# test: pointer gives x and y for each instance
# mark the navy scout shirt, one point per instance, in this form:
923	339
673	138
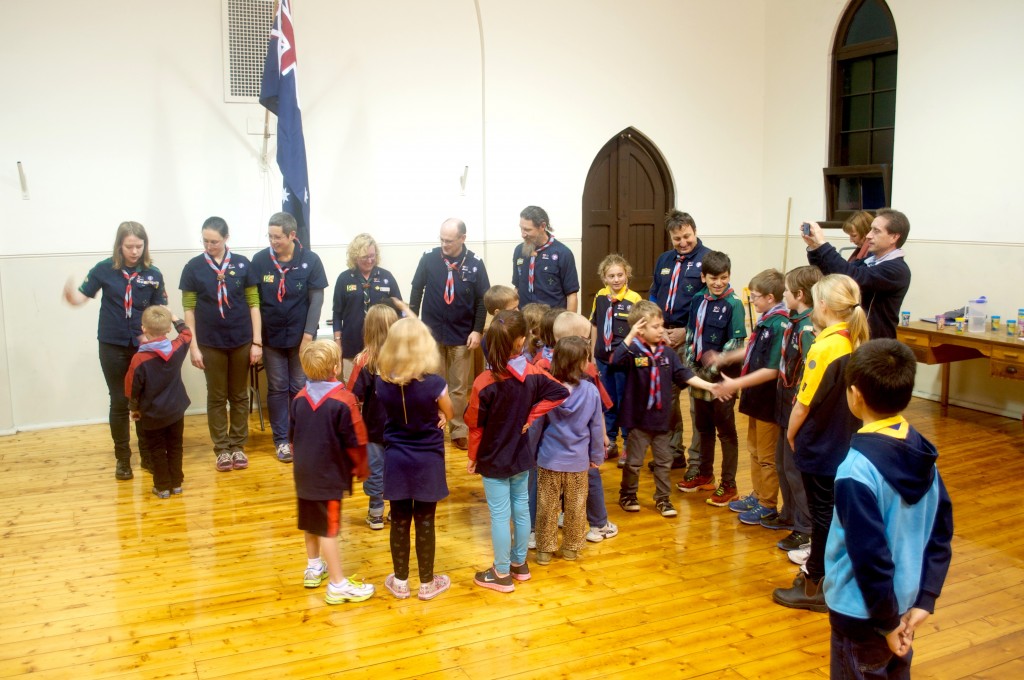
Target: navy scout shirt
689	283
284	321
353	295
450	323
555	275
115	326
234	329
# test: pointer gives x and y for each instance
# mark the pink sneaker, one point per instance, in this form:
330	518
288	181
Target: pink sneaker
428	591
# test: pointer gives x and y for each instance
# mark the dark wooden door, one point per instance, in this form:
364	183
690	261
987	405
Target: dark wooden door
627	193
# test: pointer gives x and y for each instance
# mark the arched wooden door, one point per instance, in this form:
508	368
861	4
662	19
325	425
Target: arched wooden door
627	194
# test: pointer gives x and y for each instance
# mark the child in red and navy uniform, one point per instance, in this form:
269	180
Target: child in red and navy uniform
507	398
652	368
329	443
156	396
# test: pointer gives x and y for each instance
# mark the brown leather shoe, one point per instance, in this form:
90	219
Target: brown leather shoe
803	594
460	443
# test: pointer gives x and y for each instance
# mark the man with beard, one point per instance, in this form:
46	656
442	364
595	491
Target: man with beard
543	269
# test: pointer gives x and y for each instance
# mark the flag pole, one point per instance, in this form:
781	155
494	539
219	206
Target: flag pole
266	112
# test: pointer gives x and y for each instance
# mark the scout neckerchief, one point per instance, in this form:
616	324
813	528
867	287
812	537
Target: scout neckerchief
654	393
698	345
777	310
452	267
222	287
283	270
365	283
533	258
788	371
128	292
607	331
673	285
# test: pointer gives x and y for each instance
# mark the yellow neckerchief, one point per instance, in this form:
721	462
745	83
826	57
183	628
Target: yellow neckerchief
896	426
618	298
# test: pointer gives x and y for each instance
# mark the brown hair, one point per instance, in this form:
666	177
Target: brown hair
859	223
645	309
507	327
547	325
612	260
378	321
677	219
124	230
896	223
569	360
769	282
498	297
533	313
802	280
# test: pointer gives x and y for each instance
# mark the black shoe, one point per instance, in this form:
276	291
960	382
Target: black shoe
777	523
629	503
793	541
804	594
123	470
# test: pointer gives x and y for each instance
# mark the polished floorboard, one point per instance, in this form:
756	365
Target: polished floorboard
99	578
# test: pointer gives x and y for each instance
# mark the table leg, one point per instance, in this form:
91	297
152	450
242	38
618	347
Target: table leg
944	398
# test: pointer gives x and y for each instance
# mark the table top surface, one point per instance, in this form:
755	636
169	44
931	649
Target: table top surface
949	332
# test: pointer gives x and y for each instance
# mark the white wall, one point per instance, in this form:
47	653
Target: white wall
119	115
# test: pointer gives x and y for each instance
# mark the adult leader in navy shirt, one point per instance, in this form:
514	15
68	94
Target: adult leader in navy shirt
677	274
358	288
129	283
448	294
291	282
543	269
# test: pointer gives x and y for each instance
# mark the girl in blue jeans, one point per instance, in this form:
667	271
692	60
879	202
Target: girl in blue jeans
505	400
361	383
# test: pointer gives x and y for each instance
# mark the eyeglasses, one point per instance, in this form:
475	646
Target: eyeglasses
277	239
754	297
366	258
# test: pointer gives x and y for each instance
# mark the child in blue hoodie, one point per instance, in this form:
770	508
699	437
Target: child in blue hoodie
573	442
888	550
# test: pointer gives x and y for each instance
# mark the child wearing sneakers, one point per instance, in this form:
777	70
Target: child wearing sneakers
651	369
889	547
758	376
417	408
507	398
156	396
610	316
361	383
796	342
821	424
573	442
328	439
715	326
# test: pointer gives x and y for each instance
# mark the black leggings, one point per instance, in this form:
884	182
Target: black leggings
403	514
820	502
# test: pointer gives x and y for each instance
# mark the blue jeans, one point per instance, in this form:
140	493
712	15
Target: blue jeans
866	659
614	380
284	380
373	486
597	513
507	500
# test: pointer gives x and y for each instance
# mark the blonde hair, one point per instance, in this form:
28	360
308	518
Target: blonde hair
358	247
499	297
157	321
840	295
124	230
379	319
408	353
613	260
644	309
320	360
568	324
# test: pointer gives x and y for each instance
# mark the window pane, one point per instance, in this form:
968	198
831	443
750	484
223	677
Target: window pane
884	105
885	72
873	192
849	194
855	148
881	146
858	78
857	112
870	23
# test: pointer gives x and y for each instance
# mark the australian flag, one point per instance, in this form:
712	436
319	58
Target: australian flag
279	93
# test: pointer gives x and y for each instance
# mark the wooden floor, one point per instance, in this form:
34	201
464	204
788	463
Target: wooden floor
99	578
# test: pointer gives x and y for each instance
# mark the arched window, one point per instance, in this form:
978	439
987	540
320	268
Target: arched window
863	116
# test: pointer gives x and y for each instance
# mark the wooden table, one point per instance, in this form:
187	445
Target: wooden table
933	346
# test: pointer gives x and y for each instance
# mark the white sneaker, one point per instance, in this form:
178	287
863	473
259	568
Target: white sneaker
284	452
800	555
349	590
598	534
532	544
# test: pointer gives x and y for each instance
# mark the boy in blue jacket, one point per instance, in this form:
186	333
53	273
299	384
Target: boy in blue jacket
888	550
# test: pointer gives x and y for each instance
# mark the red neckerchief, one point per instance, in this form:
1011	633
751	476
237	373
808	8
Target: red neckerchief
654	393
533	258
788	372
777	310
282	271
673	285
449	284
607	331
128	293
222	287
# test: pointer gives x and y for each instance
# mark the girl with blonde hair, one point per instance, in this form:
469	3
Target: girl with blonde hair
821	424
362	384
416	408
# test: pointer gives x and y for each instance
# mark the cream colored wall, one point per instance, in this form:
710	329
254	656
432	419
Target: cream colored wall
117	117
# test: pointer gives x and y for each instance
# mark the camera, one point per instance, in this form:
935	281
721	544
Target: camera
805	228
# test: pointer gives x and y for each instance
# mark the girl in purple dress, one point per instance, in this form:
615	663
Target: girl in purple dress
416	402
